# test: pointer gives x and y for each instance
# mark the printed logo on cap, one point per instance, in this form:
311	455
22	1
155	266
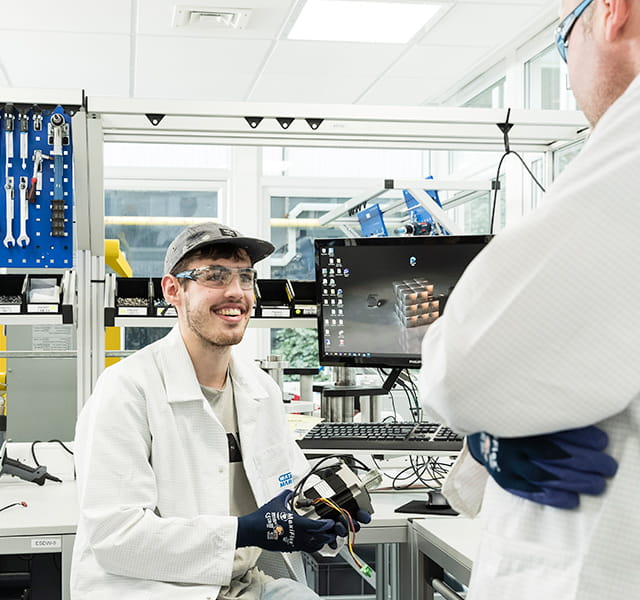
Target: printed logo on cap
228	232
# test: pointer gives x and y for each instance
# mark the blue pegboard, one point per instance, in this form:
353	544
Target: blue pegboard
49	226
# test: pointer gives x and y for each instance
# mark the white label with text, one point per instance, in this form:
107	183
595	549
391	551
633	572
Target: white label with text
46	543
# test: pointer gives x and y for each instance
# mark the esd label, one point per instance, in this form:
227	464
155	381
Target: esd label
46	543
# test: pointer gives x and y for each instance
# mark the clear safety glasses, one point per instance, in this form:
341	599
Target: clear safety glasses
564	29
217	276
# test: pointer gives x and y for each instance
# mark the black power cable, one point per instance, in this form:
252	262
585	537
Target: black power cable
505	127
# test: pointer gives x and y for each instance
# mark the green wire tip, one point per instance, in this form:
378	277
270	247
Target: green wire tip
366	570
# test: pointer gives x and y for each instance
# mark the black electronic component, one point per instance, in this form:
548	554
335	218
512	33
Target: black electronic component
327	490
13	467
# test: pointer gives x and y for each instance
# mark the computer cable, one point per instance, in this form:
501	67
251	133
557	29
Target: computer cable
505	127
33	445
33	453
414	473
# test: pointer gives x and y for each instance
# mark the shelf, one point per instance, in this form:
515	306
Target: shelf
298	406
255	322
31	319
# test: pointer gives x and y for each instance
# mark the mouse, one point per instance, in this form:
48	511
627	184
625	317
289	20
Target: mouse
435	498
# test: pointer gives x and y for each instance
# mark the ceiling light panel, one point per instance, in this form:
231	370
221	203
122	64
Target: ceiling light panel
361	21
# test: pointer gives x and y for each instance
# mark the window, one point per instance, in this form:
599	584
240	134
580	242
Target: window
294	254
546	82
345	162
562	157
152	191
144	241
492	97
535	193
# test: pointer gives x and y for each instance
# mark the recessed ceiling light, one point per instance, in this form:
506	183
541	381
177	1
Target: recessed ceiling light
361	21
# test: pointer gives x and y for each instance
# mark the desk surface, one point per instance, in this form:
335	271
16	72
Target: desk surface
456	537
52	508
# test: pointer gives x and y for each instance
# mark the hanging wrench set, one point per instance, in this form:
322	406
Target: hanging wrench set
36	187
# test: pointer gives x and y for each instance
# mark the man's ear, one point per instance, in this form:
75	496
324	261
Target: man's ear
616	16
170	289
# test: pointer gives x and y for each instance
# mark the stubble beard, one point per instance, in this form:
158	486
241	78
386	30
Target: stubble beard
199	321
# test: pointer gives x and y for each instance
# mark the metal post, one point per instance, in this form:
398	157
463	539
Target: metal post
344	405
306	388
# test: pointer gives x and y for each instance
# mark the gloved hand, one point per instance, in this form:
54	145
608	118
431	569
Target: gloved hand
341	528
274	526
552	469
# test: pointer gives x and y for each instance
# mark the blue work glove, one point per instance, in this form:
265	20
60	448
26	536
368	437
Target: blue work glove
552	469
274	526
341	528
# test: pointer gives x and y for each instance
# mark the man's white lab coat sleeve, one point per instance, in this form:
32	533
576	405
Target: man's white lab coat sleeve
464	485
531	338
118	498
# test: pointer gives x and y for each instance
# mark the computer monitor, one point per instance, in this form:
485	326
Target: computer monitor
377	296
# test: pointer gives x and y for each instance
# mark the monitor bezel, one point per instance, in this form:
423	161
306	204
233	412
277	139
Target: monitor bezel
392	362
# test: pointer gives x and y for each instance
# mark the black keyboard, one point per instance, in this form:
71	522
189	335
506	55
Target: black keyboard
381	436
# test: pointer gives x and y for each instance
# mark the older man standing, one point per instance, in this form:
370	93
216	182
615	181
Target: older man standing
527	347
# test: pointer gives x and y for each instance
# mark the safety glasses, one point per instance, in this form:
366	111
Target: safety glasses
217	276
564	29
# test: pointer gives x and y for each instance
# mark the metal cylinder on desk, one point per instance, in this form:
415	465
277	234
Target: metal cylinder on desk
342	407
338	400
371	408
274	366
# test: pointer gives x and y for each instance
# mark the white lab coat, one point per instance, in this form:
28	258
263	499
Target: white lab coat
542	333
153	476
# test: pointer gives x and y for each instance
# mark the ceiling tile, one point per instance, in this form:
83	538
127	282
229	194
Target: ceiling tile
94	62
309	88
437	62
169	67
403	91
331	57
155	17
87	16
484	24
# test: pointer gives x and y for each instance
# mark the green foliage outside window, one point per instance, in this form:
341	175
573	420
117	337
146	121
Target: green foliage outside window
299	348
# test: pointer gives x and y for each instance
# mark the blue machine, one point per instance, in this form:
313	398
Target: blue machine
372	222
421	222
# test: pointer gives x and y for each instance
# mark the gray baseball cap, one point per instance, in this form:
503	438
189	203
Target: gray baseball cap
210	234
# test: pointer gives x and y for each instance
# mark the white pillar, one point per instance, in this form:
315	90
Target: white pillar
244	210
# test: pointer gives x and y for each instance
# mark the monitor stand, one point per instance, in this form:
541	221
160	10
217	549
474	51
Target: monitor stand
391	379
338	401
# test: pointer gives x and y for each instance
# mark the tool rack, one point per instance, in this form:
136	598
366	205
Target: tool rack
36	186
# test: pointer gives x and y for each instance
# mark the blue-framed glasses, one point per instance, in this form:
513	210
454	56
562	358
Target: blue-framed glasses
564	29
217	276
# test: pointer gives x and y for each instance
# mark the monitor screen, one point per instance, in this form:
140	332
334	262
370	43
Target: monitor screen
377	296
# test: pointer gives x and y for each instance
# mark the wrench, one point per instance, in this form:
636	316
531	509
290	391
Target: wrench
8	241
23	238
24	138
57	121
9	120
